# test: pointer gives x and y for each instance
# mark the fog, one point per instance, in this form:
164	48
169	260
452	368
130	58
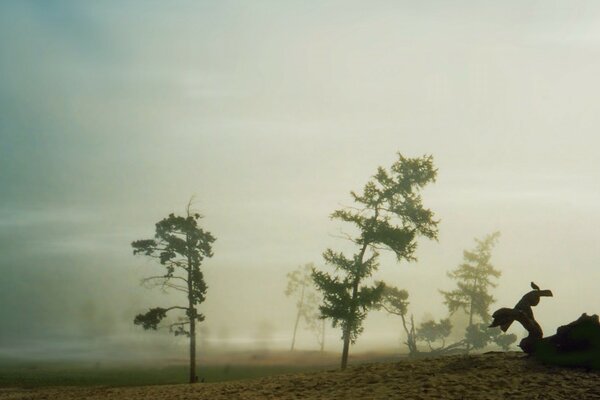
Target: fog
113	114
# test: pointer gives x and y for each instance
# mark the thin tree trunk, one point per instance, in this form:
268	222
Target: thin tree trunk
191	315
295	329
323	336
471	315
347	332
301	304
470	324
410	335
345	349
352	310
193	377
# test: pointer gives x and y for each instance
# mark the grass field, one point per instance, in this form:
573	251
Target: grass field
223	367
65	374
217	367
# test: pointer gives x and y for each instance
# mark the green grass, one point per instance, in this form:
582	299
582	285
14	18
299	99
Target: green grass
29	375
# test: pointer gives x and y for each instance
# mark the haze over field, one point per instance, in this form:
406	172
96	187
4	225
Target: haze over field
112	114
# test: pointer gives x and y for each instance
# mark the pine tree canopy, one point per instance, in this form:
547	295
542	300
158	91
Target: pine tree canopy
389	215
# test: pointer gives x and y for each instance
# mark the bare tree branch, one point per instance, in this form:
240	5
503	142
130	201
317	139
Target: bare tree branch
391	311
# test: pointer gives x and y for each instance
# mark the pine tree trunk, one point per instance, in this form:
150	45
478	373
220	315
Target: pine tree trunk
193	377
352	309
323	337
348	325
191	315
471	316
470	324
345	349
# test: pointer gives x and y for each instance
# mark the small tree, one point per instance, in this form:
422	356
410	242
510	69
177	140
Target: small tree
474	281
395	301
300	284
389	215
180	246
431	332
502	339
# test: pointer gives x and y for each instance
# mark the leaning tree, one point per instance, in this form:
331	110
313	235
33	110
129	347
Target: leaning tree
389	214
180	246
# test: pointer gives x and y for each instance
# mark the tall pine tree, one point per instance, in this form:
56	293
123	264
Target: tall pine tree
180	246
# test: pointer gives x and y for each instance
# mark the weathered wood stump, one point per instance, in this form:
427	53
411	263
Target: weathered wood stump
576	344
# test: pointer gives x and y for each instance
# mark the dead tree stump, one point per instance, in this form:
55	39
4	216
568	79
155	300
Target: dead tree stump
576	344
523	313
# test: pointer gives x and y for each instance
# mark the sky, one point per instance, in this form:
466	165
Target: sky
114	114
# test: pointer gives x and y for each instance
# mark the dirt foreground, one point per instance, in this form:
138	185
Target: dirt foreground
486	376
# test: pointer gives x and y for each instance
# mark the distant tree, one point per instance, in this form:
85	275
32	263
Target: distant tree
395	301
314	320
389	214
301	285
480	335
432	332
474	279
502	339
180	246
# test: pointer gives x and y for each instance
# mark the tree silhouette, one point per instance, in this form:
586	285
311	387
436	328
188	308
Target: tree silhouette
474	281
389	214
180	246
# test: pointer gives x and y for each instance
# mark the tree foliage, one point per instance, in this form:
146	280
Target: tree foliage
180	246
395	301
502	339
432	332
343	305
388	214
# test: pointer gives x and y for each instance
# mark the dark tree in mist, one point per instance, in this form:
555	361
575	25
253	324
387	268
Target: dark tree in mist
474	279
180	246
388	214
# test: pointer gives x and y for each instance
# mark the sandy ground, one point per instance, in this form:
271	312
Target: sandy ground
487	376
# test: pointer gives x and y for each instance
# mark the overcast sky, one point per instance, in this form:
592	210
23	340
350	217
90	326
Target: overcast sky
113	114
